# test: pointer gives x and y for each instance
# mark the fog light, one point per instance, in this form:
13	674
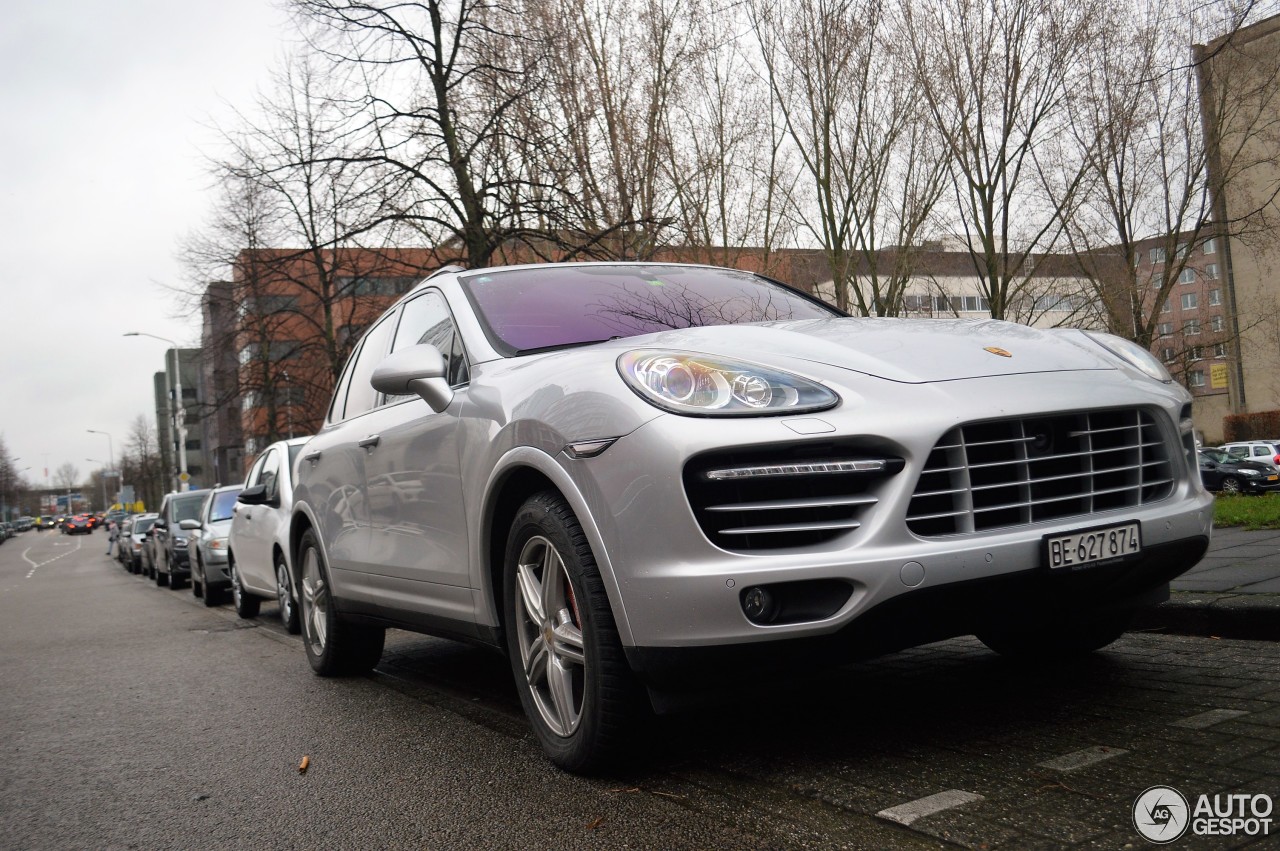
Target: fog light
758	605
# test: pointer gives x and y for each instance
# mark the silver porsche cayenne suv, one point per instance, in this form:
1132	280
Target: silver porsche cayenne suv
639	480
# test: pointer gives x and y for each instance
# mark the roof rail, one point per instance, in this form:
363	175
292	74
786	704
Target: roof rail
443	269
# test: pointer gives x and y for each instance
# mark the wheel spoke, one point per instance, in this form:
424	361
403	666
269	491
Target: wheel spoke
568	641
531	593
560	684
535	666
552	576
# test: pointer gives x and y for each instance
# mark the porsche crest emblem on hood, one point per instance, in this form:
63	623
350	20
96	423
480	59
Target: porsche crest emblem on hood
996	350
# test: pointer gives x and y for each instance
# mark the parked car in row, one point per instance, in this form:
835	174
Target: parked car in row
258	553
133	535
1221	471
1262	451
648	478
207	543
170	557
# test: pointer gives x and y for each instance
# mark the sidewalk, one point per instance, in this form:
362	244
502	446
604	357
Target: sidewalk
1233	593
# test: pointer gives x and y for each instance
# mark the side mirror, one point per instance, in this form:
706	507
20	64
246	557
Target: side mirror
256	495
418	369
159	524
189	525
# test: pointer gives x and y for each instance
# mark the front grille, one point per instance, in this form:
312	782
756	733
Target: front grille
992	475
785	496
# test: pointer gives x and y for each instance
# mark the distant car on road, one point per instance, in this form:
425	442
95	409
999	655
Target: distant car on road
1221	471
207	547
78	525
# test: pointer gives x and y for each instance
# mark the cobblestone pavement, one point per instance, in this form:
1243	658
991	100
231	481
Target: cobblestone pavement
1026	757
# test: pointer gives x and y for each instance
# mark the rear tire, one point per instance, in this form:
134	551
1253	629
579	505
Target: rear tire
285	599
1059	637
247	605
335	647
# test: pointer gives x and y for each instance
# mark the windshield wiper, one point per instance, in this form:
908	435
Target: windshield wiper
557	346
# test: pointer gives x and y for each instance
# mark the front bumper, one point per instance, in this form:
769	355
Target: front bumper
673	589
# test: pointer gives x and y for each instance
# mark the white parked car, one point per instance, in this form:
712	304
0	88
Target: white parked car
649	478
258	552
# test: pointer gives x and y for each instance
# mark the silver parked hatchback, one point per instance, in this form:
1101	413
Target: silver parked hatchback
639	479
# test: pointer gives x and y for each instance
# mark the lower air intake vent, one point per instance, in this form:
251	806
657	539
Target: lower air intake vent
778	497
992	475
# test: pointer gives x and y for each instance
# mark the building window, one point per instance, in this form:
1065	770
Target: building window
1191	327
1168	305
1210	246
1190	301
1195	353
1157	255
1195	378
1188	276
193	443
1219	350
1215	297
1166	354
1216	324
1165	329
1182	250
1211	271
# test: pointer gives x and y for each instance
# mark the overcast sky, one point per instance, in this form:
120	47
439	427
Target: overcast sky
106	110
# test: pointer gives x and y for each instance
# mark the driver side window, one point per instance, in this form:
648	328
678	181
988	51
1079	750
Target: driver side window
271	474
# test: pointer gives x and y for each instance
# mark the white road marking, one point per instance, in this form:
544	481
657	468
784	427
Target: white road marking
909	812
1208	719
37	565
1082	759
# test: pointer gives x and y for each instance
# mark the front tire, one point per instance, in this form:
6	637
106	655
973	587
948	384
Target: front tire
574	681
1059	637
335	647
1230	485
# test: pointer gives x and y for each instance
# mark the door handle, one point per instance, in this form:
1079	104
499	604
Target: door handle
371	442
313	457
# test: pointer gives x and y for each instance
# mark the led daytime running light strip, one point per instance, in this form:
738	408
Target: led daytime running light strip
865	466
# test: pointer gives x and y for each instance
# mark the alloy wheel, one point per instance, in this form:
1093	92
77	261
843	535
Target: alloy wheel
549	634
315	602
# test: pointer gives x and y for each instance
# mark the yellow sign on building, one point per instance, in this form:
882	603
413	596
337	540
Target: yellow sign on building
1218	376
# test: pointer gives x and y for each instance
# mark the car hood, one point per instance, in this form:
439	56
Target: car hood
912	351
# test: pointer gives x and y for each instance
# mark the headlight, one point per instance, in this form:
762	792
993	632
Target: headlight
1132	354
1250	473
180	543
688	383
218	544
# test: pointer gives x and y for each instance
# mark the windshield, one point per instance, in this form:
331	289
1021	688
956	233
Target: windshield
223	504
528	310
187	508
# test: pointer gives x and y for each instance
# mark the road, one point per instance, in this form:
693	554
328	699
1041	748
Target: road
132	716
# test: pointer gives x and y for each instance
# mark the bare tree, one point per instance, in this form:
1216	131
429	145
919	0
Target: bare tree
994	77
872	168
67	476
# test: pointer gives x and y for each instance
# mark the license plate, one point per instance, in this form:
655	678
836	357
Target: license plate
1093	547
1272	478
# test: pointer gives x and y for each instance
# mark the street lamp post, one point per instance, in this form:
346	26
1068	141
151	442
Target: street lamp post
111	460
177	411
